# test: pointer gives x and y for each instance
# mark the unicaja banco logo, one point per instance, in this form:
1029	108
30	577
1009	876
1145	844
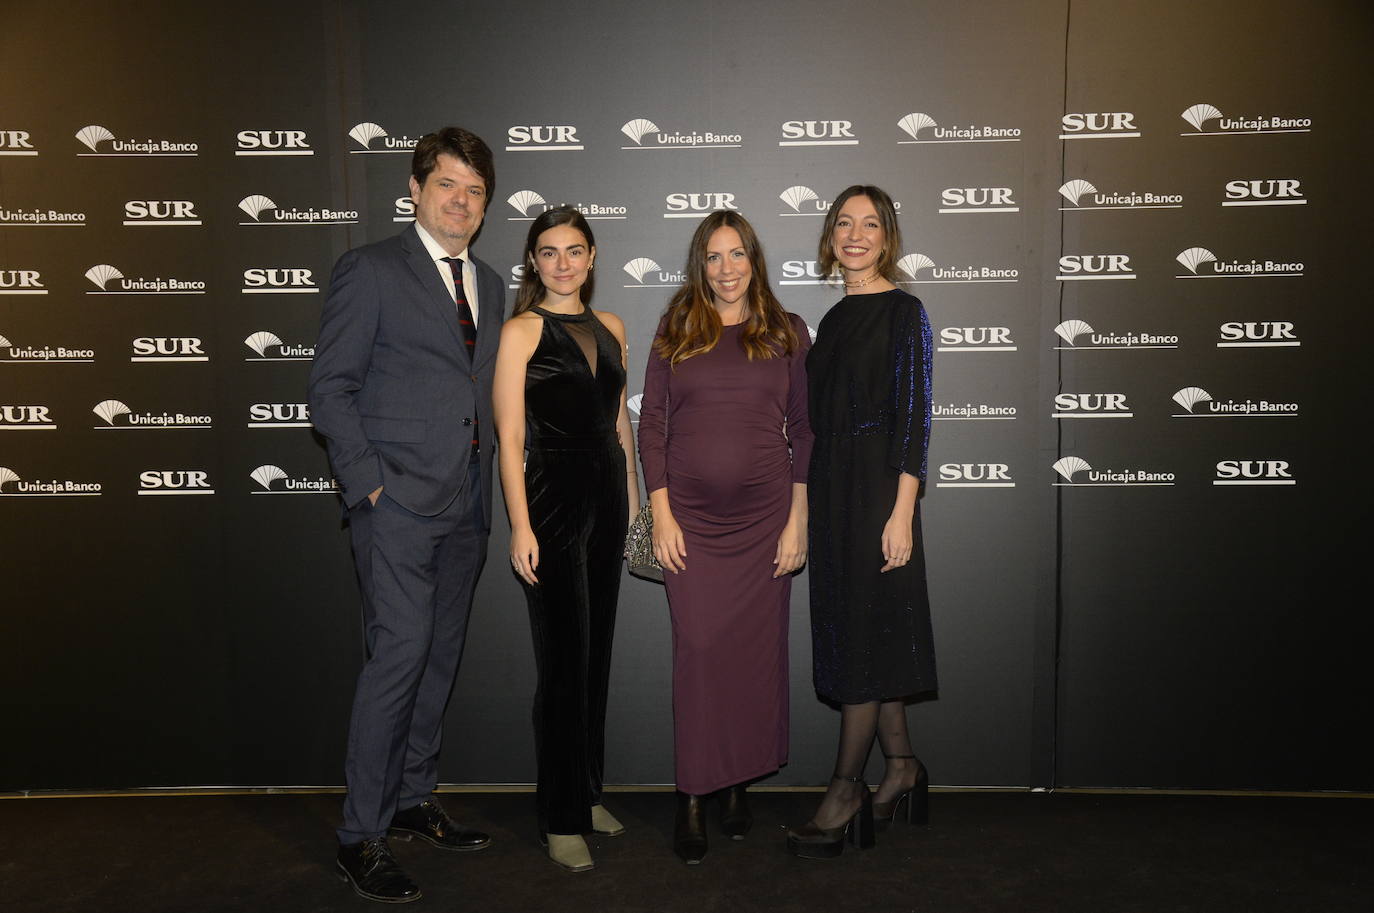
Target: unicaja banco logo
367	133
264	211
1074	191
255	205
645	134
94	135
803	201
637	129
1070	466
116	415
646	273
41	354
1196	261
273	480
1193	398
911	265
1071	330
922	128
1189	397
1067	466
1200	116
103	274
12	485
263	340
522	200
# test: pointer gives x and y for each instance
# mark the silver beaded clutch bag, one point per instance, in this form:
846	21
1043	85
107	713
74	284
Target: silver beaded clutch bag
639	546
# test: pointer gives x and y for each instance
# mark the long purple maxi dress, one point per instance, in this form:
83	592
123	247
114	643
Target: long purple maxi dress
728	437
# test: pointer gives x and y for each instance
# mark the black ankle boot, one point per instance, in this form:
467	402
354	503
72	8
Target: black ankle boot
689	833
735	819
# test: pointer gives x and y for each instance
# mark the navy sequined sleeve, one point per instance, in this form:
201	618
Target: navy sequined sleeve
910	442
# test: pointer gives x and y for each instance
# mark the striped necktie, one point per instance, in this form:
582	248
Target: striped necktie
465	321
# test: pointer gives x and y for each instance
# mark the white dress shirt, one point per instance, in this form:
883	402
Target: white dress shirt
446	272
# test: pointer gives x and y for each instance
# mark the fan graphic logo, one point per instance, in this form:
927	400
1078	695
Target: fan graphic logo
1252	472
1091	405
972	412
533	138
645	134
372	139
974	475
154	349
921	270
11	354
1201	117
41	218
647	273
21	282
13	485
1272	192
1076	192
264	280
161	212
522	201
262	211
273	480
1079	336
95	138
818	133
922	128
279	415
272	142
16	142
803	201
1070	467
270	347
977	199
26	418
174	482
1081	267
1201	263
1261	334
1198	403
633	404
1099	125
108	280
119	417
696	205
976	339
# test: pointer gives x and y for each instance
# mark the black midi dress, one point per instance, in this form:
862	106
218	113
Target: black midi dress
868	378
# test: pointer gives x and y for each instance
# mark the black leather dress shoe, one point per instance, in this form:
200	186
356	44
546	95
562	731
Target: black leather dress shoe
735	819
373	873
689	832
429	822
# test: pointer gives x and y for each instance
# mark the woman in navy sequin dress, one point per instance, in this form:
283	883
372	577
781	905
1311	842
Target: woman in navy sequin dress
869	379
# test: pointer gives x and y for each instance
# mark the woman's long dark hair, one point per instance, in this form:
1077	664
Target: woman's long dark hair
531	290
692	325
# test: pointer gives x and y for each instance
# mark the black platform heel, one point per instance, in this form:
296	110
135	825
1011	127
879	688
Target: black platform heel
812	842
917	799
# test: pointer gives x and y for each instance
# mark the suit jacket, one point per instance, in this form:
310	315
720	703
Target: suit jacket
392	388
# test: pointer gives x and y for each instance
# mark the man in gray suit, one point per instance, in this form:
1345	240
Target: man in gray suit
401	390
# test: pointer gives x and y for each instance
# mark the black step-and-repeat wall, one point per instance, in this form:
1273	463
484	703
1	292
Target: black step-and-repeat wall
1136	228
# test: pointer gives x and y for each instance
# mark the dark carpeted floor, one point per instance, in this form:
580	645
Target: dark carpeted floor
983	852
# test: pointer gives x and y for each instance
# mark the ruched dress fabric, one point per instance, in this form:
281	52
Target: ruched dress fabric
576	490
728	436
869	374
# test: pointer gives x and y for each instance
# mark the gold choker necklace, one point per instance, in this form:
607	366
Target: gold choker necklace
860	283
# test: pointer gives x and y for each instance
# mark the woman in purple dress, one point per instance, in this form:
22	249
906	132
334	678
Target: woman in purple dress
725	443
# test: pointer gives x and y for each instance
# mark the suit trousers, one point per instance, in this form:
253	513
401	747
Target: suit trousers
417	575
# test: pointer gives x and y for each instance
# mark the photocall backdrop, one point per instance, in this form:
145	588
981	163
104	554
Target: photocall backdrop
1133	226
